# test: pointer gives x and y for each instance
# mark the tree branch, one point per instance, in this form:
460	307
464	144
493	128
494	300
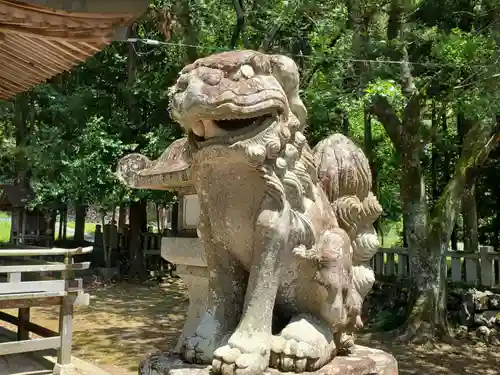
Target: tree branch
324	62
239	28
385	114
480	144
183	11
266	43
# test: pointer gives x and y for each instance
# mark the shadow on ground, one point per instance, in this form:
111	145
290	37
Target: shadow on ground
124	322
462	358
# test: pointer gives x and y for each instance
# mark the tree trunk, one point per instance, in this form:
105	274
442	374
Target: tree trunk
183	11
368	148
21	122
61	223
446	173
345	124
239	28
138	225
65	223
80	213
469	207
435	156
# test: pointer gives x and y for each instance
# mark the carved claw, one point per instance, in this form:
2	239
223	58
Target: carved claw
344	343
129	166
302	252
302	346
233	359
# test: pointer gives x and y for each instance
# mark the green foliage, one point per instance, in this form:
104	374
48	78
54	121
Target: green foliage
83	122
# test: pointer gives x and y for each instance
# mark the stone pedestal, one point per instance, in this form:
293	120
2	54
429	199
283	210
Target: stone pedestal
189	257
364	361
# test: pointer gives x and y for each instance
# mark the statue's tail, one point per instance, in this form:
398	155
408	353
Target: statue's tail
345	176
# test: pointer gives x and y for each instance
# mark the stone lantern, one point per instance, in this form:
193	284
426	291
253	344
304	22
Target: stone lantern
182	247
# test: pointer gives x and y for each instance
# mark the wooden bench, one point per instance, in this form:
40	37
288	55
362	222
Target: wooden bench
20	291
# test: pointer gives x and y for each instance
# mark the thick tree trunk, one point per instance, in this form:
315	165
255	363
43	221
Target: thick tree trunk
61	223
435	156
424	312
65	223
80	214
138	225
469	207
368	148
447	174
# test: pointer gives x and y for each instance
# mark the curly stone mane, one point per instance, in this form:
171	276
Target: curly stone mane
281	151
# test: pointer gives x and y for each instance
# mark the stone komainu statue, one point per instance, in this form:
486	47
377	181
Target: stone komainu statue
287	230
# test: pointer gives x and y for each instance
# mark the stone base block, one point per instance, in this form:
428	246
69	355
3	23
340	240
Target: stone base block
64	369
364	361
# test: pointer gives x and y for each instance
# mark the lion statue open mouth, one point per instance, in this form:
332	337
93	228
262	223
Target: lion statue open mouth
287	230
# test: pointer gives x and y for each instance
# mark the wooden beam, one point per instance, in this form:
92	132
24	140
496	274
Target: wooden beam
30	326
45	267
37	62
94	6
11	59
27	346
39	47
33	287
64	51
31	251
77	47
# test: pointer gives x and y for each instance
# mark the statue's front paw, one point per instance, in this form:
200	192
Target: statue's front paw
305	344
245	354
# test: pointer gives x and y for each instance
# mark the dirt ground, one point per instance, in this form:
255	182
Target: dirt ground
124	322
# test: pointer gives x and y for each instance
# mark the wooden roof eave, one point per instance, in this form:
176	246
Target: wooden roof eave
38	42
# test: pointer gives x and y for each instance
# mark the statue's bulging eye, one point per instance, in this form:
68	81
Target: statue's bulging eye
182	83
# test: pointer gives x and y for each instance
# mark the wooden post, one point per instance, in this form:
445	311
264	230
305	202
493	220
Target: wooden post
403	260
23	313
379	263
471	276
487	266
391	264
456	269
65	331
23	332
63	365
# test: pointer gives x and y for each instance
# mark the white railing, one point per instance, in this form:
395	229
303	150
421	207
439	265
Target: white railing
480	268
20	289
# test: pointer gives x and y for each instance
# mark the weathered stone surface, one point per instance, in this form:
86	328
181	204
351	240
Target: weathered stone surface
484	333
488	318
287	230
364	361
482	301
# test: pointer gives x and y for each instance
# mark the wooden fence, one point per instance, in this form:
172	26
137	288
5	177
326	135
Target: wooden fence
470	268
23	288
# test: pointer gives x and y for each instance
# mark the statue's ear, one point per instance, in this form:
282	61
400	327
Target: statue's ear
287	73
